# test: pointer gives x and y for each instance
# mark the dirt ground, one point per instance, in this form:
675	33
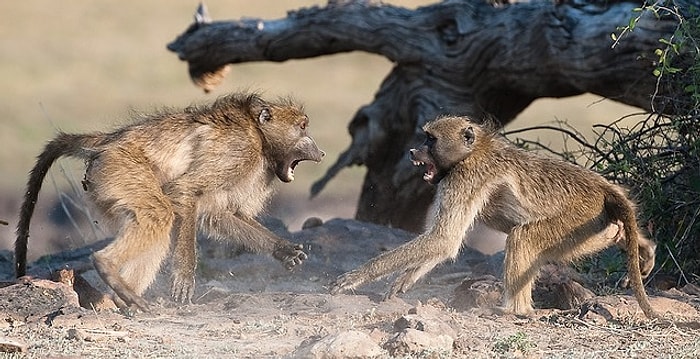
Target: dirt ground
248	306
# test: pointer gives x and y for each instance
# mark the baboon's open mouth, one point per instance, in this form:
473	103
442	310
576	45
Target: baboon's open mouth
289	173
290	169
291	166
285	169
430	170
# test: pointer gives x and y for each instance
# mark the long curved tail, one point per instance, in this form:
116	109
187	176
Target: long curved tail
619	207
63	145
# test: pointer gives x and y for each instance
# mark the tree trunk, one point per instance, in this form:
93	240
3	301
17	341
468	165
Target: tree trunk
458	57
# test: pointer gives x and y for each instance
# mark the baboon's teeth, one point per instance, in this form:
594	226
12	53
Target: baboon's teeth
418	163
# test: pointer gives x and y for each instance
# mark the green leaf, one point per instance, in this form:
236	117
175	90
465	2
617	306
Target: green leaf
657	72
613	36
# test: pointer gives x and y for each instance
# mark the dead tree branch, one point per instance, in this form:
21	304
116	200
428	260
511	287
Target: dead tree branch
459	57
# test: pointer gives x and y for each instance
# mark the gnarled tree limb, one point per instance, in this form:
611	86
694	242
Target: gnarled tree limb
459	57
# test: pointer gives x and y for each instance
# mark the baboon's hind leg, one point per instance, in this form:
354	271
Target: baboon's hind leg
524	256
126	188
521	268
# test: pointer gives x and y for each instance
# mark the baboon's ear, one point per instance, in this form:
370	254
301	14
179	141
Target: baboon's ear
468	134
265	115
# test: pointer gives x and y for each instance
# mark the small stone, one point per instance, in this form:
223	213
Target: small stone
413	341
348	344
312	222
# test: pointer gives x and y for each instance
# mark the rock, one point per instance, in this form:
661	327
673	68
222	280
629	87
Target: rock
413	341
428	325
8	345
347	344
88	296
623	308
557	287
37	299
691	289
312	222
481	292
422	332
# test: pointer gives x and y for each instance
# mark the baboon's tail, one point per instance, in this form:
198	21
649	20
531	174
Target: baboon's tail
63	145
620	208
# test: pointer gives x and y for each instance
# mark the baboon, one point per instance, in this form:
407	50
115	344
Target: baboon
551	210
161	178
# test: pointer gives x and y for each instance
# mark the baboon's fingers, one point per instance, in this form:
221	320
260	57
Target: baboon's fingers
142	305
183	288
344	283
335	288
404	282
294	261
290	255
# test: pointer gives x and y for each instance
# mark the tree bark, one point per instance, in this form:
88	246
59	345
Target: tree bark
459	57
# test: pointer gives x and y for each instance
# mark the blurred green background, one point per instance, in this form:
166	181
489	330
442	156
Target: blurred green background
80	66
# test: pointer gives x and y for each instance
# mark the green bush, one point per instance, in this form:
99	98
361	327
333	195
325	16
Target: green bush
658	159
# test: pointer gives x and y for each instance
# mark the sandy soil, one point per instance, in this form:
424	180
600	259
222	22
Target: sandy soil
248	306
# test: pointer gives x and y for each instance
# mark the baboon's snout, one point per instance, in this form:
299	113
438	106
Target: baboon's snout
313	152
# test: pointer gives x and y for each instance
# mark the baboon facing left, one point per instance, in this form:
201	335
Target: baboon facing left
552	211
161	178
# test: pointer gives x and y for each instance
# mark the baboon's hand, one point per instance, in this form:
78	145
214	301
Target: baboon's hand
346	282
290	254
183	287
402	283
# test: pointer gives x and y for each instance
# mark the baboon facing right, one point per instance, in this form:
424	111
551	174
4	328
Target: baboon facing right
161	178
551	210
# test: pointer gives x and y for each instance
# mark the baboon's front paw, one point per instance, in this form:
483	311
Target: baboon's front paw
343	283
183	288
401	285
290	255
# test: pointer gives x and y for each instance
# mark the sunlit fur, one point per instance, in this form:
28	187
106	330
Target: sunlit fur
166	175
551	210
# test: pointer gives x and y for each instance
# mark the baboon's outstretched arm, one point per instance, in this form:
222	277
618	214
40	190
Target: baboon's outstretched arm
417	257
252	236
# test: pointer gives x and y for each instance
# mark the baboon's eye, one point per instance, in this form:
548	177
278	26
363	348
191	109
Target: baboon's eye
429	139
265	115
303	125
468	134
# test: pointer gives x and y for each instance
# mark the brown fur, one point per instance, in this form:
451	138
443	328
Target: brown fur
552	211
171	173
